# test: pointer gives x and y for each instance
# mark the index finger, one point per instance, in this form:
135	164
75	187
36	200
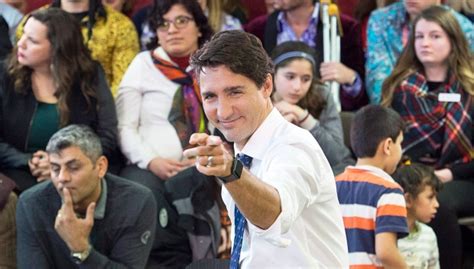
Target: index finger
198	139
67	201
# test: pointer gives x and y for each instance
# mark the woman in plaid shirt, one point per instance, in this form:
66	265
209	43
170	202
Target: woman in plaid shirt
432	88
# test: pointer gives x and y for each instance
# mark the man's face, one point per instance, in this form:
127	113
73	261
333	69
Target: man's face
72	169
414	7
289	5
233	103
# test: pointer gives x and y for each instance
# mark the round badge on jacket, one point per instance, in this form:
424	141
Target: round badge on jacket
163	217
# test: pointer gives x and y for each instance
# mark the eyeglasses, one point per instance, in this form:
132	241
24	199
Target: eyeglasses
179	22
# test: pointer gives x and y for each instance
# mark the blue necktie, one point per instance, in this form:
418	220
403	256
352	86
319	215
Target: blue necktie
240	222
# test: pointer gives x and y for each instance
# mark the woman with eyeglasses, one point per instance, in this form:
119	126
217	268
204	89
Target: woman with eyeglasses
159	107
158	102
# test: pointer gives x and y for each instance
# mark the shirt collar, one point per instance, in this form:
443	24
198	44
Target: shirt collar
99	212
375	170
282	19
258	143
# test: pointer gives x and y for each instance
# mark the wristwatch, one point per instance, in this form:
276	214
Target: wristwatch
80	257
235	173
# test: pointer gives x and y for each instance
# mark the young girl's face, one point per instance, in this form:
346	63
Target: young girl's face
293	80
432	44
425	205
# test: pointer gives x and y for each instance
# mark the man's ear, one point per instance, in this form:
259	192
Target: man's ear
102	165
267	87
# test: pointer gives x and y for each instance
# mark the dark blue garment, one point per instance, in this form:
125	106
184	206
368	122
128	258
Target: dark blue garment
121	239
240	222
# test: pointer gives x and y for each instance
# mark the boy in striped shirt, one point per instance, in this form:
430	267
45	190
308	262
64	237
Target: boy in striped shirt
372	203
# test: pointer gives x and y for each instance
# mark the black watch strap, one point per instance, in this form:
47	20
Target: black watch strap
235	173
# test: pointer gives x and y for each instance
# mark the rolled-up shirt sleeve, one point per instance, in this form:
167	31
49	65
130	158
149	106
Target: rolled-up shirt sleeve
296	180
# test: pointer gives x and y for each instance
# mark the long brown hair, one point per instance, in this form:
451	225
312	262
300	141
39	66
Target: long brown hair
70	60
313	101
460	60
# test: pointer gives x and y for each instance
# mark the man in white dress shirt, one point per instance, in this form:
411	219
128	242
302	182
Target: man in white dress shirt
279	189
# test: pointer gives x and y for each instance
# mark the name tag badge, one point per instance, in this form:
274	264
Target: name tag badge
449	97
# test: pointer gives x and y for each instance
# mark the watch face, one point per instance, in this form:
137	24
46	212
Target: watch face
79	257
235	173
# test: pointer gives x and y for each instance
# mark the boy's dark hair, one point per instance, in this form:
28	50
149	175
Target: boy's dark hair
414	177
371	125
239	51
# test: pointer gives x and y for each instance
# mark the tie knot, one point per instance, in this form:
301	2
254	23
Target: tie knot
245	159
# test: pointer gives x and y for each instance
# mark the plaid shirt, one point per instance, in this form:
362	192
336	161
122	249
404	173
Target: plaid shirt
436	130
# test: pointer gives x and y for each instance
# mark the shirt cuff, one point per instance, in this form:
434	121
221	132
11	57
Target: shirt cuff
273	234
145	160
354	89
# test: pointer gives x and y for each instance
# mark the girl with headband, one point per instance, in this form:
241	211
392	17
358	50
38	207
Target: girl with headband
302	99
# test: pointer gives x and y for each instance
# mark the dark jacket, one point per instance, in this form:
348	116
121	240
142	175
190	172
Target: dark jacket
122	238
17	111
352	54
5	44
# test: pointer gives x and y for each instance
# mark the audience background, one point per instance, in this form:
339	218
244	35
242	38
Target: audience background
437	61
153	137
304	100
45	87
103	40
387	33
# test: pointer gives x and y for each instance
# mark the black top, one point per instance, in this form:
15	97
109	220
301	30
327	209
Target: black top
5	44
17	110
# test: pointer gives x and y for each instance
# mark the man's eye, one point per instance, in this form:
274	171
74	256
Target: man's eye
74	168
233	93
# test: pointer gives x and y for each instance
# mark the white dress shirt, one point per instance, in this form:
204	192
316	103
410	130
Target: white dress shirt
309	232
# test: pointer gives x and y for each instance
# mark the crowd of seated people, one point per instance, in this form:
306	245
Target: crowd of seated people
79	62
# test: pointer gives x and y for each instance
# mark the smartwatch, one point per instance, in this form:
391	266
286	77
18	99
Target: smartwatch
235	173
80	257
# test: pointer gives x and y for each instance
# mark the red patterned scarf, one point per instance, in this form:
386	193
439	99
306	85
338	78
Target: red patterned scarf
186	113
